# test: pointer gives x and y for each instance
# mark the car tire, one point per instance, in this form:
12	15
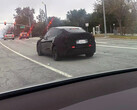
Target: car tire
13	39
4	39
55	54
39	49
89	54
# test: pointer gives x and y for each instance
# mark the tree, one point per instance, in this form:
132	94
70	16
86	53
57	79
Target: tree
9	29
95	19
77	17
117	8
131	18
41	17
23	16
56	22
39	29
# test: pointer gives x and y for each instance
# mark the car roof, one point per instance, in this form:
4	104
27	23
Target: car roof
71	29
67	27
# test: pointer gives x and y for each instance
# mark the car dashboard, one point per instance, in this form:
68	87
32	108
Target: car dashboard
112	90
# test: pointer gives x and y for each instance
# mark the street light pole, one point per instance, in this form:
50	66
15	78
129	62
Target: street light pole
104	14
46	21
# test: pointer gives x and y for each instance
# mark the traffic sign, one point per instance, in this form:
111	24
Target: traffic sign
22	27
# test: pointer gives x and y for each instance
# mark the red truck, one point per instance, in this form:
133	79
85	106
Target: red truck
24	35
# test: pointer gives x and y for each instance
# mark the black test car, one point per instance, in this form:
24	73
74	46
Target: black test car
66	41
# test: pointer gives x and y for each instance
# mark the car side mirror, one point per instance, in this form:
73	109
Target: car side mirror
46	38
41	37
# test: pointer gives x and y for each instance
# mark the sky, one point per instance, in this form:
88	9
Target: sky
58	8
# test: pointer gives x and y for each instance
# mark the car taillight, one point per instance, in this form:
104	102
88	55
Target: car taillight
5	35
12	35
89	45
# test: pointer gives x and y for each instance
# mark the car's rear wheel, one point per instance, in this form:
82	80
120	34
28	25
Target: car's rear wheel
55	54
13	39
90	54
39	49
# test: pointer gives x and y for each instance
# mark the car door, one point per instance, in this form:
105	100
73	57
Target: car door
46	42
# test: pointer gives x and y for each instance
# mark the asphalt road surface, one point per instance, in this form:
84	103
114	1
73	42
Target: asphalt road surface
20	66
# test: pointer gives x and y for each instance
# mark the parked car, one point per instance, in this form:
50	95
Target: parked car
24	35
65	41
9	35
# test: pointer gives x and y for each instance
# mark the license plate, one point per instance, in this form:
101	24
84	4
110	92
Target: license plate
84	41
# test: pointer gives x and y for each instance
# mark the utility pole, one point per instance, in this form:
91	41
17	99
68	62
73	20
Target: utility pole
104	14
30	26
29	18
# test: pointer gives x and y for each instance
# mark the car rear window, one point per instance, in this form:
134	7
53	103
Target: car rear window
75	30
9	33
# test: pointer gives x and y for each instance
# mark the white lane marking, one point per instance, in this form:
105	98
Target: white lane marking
26	39
27	43
23	41
34	43
101	42
46	66
35	38
132	48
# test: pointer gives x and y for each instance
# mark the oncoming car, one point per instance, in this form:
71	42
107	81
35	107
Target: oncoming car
66	41
9	35
24	35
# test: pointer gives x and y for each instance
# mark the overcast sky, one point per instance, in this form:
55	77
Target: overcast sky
57	8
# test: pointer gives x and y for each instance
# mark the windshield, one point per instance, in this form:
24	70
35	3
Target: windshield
103	39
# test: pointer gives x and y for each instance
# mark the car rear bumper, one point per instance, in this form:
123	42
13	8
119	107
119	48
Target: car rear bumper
23	37
78	51
8	38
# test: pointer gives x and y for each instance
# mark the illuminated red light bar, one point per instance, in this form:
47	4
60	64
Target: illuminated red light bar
73	47
50	23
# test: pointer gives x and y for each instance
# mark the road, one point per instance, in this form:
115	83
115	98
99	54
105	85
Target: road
20	66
